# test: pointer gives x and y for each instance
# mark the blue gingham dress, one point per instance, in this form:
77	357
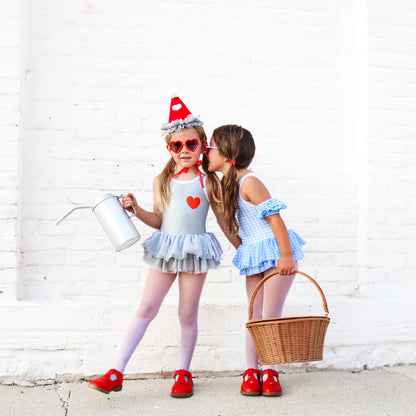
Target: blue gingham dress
259	250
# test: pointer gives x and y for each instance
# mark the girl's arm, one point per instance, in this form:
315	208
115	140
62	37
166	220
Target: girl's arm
253	190
151	218
234	239
286	264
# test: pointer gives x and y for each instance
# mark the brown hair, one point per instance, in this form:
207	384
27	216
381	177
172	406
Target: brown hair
166	175
237	145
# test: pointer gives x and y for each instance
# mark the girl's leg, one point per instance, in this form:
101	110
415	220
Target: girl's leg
156	287
190	288
252	358
251	377
276	290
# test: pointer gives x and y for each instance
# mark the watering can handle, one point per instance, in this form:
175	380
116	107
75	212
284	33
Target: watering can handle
71	211
132	215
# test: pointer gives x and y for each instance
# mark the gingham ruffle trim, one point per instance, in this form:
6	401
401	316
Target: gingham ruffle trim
253	258
270	207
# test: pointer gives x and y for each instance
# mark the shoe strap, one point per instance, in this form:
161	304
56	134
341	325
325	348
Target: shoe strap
250	372
182	374
108	374
270	372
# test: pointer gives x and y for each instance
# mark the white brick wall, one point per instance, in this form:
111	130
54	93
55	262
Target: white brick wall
392	122
10	71
327	90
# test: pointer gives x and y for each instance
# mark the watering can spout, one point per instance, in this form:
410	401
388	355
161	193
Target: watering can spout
114	219
71	211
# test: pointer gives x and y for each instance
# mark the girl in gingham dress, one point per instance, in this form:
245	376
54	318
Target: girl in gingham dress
266	243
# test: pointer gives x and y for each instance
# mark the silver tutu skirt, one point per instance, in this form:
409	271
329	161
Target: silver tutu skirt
172	253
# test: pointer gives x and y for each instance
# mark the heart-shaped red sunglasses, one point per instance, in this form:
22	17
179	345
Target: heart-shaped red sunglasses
177	146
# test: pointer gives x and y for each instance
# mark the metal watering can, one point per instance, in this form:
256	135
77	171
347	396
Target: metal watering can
114	219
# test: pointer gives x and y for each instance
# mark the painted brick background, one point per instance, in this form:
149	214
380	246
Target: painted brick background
10	96
328	91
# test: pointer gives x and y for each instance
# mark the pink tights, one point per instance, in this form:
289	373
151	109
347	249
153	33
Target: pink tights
156	288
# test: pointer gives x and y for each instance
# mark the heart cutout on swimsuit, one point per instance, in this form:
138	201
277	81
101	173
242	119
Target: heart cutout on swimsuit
193	202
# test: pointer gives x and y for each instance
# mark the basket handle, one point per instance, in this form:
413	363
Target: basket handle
262	281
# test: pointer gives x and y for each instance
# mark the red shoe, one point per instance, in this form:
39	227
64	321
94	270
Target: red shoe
111	381
183	386
251	383
270	383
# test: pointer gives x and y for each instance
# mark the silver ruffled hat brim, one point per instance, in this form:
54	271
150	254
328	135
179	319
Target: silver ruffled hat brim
181	124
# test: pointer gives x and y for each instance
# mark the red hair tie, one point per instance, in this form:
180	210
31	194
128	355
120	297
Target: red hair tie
232	163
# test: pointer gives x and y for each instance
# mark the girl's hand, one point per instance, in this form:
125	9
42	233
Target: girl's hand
286	266
129	201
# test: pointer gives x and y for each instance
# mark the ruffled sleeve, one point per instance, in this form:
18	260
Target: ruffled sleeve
270	207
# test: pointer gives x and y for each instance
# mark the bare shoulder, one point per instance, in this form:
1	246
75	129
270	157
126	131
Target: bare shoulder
253	190
252	180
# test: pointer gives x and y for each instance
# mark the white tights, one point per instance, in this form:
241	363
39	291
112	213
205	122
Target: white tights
268	303
156	288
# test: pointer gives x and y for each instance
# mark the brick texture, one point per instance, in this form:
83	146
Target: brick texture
327	89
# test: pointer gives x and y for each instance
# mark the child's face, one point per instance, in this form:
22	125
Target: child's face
216	162
185	148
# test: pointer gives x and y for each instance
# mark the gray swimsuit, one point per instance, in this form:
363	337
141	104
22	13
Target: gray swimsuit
182	243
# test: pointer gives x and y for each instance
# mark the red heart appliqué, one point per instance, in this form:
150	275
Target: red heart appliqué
193	202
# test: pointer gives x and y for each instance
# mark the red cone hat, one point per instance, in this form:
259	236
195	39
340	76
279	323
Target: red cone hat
179	117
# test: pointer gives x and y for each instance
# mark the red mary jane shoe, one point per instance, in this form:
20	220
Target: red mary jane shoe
270	383
111	381
183	386
251	383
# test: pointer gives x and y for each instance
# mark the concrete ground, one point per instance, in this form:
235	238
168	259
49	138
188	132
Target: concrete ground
389	391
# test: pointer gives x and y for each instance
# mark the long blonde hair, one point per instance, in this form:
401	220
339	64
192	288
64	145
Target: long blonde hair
164	190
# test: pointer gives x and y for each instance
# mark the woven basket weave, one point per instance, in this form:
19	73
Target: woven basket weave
288	340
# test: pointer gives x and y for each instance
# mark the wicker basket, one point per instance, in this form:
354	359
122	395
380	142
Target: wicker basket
288	340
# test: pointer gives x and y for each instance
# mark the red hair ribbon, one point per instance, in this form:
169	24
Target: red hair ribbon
232	163
185	170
